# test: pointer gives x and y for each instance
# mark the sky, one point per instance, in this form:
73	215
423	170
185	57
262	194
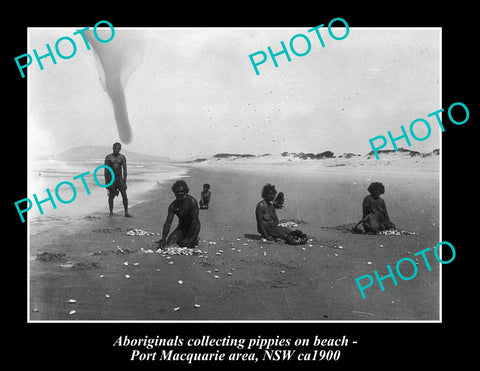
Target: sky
193	92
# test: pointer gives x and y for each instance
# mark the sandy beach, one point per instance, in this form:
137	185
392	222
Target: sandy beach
107	275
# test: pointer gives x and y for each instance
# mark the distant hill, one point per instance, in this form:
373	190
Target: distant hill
98	153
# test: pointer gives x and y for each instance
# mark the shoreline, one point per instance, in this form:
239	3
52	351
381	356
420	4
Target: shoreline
257	281
143	185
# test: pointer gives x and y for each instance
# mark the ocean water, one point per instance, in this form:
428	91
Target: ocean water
143	178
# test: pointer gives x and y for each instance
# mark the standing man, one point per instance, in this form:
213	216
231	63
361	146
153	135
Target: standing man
118	163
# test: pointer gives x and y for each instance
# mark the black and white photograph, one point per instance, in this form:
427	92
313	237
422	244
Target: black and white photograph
197	230
253	193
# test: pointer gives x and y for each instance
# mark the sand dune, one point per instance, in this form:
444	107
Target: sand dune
404	159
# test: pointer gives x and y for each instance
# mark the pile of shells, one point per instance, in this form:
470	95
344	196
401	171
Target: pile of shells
176	250
396	232
293	220
288	224
138	232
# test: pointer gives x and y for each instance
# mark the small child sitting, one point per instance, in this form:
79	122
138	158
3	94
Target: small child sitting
205	196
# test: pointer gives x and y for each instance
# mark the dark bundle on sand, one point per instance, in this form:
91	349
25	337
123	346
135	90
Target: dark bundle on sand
296	238
51	257
85	265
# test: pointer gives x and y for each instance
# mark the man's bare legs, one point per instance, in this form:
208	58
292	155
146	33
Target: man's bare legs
125	204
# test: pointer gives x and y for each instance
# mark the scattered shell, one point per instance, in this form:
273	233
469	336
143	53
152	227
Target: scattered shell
229	273
66	265
72	301
175	309
245	244
369	263
125	263
209	271
101	276
107	296
282	272
180	282
72	312
239	250
216	269
196	305
136	263
127	276
158	270
238	239
336	254
381	246
216	277
220	250
171	262
36	310
310	245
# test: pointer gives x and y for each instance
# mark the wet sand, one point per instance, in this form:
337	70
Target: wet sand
256	280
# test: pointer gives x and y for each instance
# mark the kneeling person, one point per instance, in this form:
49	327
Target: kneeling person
185	207
375	217
267	220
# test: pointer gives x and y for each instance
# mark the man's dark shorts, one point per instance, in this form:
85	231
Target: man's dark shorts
117	186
